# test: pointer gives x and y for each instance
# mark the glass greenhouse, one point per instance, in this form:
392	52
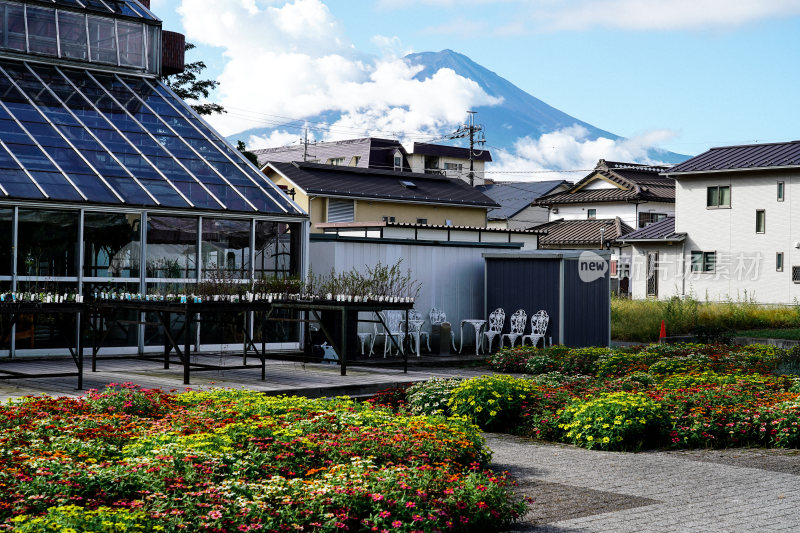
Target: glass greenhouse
109	181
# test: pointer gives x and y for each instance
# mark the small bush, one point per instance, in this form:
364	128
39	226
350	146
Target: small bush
680	365
615	421
431	397
540	364
493	402
126	398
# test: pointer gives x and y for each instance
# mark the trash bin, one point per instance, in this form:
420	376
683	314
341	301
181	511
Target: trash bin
444	339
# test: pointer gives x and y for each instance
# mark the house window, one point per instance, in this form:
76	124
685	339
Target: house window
591	213
761	220
704	261
649	218
341	210
796	274
398	161
354	160
336	161
457	167
718	196
388	219
422	221
780	191
779	262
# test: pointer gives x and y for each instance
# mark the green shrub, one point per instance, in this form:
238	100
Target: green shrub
492	402
615	421
680	365
431	397
540	364
622	363
582	360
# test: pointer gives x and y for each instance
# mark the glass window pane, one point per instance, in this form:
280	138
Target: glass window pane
19	185
276	249
710	262
6	233
697	261
102	40
111	245
712	196
131	43
42	30
760	221
725	196
12	31
72	35
55	185
171	247
48	243
226	249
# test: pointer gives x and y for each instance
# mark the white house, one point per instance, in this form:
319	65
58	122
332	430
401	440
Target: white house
741	236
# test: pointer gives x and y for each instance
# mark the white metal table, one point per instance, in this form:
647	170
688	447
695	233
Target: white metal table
478	324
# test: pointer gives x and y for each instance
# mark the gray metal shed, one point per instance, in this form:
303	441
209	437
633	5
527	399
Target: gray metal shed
573	286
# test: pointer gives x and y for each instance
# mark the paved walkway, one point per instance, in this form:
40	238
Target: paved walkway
578	490
310	379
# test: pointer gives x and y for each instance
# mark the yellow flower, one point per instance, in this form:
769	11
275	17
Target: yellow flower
590	438
605	440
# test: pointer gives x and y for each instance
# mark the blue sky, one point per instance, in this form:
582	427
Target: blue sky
702	73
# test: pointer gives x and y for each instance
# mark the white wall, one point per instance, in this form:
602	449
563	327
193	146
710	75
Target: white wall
746	260
670	270
627	212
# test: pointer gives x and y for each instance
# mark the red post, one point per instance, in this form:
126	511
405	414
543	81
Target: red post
663	333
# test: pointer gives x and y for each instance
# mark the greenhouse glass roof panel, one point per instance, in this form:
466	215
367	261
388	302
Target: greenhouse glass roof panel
128	8
77	135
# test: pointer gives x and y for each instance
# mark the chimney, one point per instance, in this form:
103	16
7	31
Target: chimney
173	51
145	3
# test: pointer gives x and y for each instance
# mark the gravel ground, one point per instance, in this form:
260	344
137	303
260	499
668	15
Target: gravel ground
578	490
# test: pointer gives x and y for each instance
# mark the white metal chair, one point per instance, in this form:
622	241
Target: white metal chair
539	323
415	329
392	330
365	338
436	317
518	321
497	319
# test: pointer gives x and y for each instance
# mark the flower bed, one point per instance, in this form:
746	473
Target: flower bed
683	396
134	460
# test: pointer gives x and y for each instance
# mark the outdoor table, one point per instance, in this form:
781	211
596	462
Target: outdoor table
415	327
478	324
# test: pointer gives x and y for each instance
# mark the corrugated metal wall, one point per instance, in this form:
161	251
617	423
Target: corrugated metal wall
452	277
526	284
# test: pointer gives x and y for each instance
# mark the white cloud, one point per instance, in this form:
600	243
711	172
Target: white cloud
292	59
273	140
570	149
669	15
641	15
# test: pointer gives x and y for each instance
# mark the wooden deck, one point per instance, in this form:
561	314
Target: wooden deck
288	376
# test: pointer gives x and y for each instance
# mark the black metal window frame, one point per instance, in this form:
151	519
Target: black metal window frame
703	262
761	221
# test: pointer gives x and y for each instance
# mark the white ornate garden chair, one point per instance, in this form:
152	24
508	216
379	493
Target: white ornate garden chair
539	323
518	322
497	319
392	330
436	317
413	330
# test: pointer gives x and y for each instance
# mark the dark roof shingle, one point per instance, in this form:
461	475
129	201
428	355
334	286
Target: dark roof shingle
745	157
663	230
455	152
581	232
352	182
637	182
513	197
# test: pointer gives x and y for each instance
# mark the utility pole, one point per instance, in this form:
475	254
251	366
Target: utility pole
476	136
305	146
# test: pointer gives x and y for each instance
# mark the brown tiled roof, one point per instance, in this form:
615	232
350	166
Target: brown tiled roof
745	157
663	230
584	231
638	182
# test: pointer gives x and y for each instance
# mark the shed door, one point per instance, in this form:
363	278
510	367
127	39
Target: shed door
652	274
